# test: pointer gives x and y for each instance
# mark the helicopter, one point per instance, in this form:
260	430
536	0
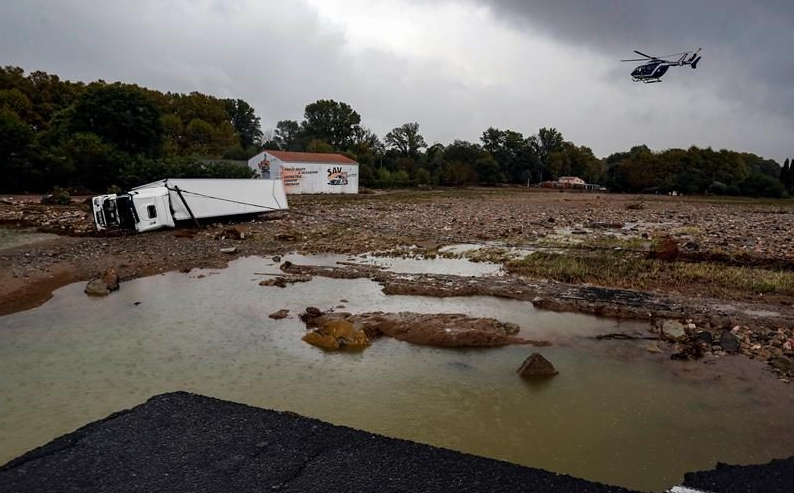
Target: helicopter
655	67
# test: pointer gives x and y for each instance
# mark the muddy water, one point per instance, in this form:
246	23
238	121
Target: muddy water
614	414
10	238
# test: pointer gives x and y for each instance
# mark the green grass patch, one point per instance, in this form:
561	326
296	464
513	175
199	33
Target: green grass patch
635	272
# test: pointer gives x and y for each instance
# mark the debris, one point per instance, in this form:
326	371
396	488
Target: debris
231	233
229	251
782	364
285	237
537	366
279	315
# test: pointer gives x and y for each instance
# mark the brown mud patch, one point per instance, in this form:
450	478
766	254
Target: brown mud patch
438	330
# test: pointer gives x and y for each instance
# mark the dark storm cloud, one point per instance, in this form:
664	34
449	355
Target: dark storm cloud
747	45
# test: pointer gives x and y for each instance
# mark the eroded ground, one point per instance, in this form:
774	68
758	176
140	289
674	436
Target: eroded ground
716	266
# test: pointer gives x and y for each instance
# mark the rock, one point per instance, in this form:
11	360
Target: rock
229	251
277	258
729	342
653	347
336	334
691	246
313	311
537	366
285	237
279	315
705	337
322	341
104	284
111	279
673	329
97	287
782	363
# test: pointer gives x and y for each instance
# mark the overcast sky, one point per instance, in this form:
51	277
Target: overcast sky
455	66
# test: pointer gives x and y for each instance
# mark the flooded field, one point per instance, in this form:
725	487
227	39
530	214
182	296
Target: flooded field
615	413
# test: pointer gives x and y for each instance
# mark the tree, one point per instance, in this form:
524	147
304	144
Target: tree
245	122
287	134
15	137
548	141
785	173
332	122
406	139
122	116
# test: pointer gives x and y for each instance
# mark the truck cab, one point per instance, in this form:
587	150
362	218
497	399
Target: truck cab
140	210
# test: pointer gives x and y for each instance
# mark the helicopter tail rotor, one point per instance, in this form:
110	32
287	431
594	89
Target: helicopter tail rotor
695	62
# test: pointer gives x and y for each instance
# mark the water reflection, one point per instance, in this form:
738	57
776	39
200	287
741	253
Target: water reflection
614	413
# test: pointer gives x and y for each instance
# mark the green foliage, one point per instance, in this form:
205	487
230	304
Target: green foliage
406	139
139	170
245	122
287	135
332	122
122	116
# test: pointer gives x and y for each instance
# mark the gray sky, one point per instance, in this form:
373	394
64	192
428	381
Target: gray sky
455	66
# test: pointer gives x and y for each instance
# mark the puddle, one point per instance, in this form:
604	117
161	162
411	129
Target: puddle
614	414
10	238
410	265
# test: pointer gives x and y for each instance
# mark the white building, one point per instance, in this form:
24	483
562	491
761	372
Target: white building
307	172
571	180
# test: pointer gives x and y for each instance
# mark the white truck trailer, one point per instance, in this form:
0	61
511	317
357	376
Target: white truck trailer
162	203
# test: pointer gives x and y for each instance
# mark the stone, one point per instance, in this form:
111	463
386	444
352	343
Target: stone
673	329
704	337
537	366
652	347
285	237
336	334
97	287
229	251
729	342
322	341
279	315
111	279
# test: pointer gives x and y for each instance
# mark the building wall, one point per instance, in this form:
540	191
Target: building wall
307	178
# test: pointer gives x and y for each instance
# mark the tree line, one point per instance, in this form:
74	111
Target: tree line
96	135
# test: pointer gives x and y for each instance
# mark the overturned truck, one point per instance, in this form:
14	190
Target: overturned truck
163	203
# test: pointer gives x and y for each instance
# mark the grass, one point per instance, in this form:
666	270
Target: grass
635	272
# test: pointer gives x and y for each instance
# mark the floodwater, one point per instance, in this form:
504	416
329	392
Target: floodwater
407	265
10	238
615	413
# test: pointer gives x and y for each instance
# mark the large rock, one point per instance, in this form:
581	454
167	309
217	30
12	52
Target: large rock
336	334
537	366
673	329
103	284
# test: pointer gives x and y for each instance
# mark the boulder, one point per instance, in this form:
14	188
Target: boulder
537	366
97	287
336	334
103	284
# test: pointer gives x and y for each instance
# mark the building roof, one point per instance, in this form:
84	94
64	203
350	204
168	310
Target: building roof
311	157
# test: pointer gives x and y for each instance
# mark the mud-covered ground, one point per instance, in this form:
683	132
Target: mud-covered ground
732	232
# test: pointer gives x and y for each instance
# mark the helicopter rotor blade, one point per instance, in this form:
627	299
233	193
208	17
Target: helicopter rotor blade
643	54
636	60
